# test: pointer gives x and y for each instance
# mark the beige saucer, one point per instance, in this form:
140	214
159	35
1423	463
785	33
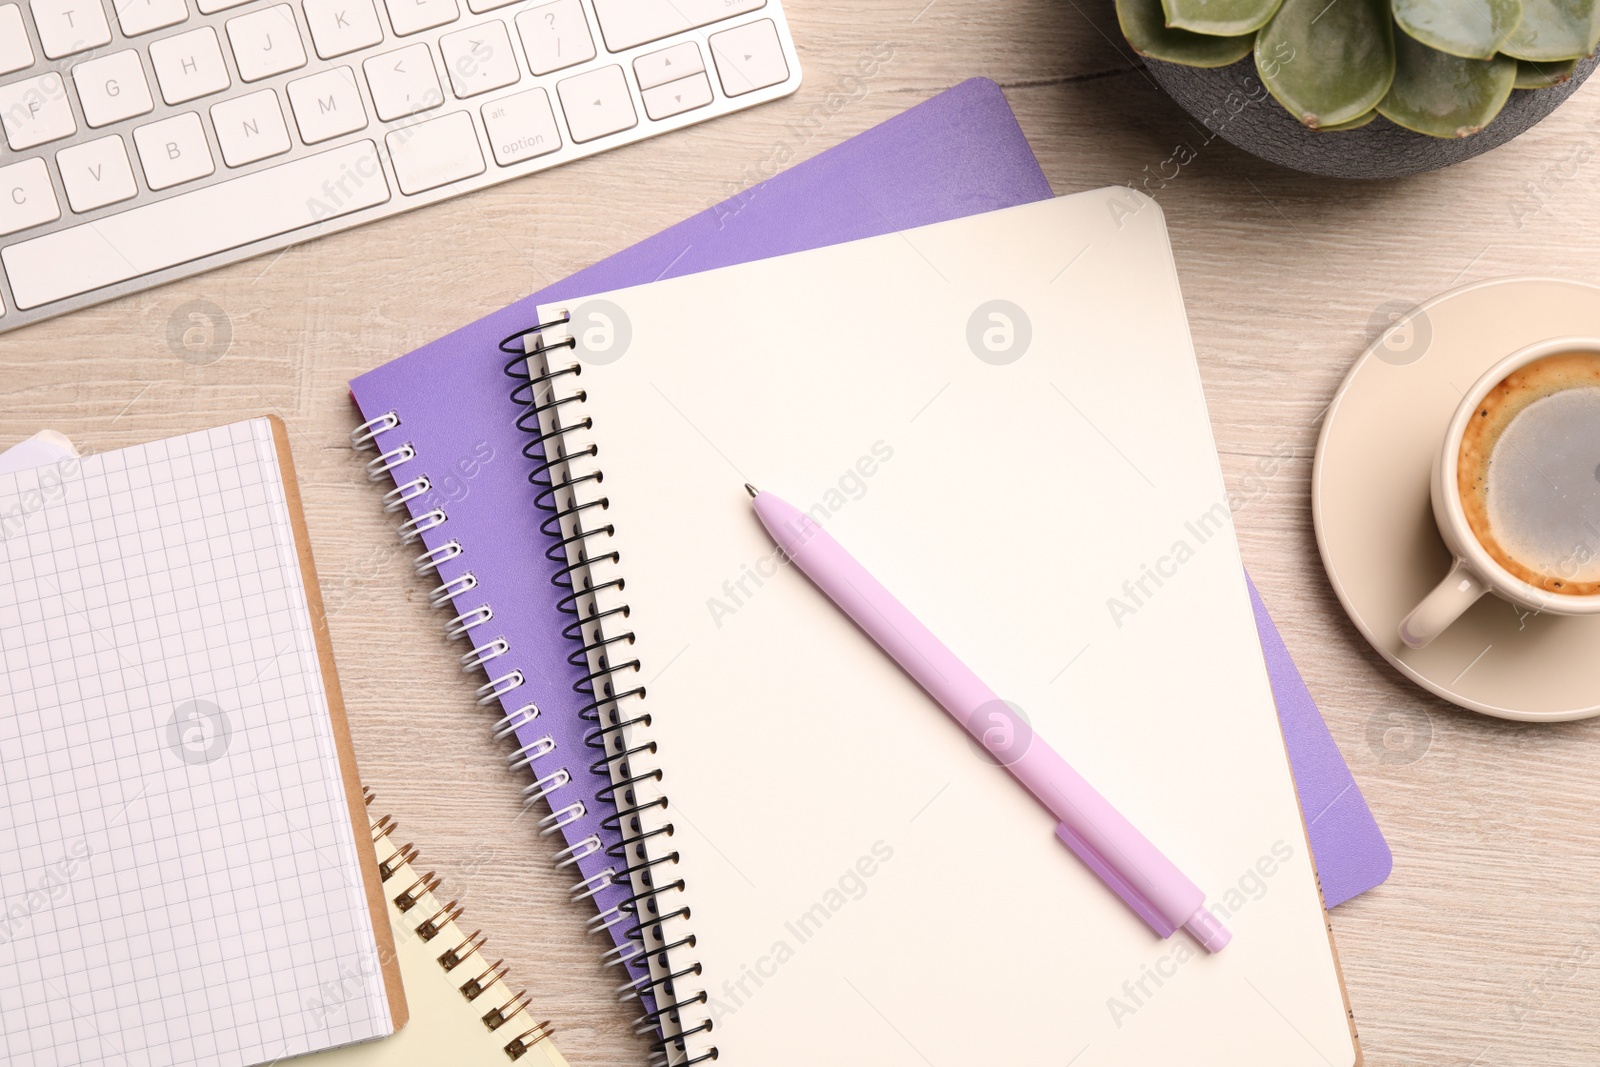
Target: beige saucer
1369	498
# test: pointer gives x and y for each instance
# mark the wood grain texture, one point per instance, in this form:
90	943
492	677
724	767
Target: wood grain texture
1484	946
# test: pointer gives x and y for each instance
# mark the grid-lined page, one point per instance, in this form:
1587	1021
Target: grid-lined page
179	881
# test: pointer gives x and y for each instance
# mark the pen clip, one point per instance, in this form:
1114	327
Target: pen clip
1110	875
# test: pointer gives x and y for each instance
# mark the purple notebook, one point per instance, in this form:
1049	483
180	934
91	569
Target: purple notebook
957	154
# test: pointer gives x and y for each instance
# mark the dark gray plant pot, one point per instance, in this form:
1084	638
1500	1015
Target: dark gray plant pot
1235	106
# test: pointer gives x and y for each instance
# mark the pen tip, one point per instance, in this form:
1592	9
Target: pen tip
752	490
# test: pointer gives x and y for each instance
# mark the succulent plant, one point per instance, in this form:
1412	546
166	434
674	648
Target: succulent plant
1440	67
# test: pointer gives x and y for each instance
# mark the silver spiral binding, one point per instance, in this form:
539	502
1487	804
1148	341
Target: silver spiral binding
532	751
397	498
561	816
365	436
446	593
411	494
388	461
475	659
428	562
412	529
569	487
457	627
512	721
573	853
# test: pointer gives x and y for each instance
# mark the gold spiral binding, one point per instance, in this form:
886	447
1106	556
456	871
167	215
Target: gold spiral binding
495	1018
453	958
413	893
519	1045
429	928
401	856
418	897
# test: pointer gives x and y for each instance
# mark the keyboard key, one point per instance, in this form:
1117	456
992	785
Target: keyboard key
96	173
250	128
478	7
555	36
625	23
189	65
173	151
26	198
749	58
70	26
339	27
266	42
403	82
35	110
479	59
414	16
674	98
597	103
15	51
290	196
327	105
668	65
211	7
112	88
143	16
435	153
521	127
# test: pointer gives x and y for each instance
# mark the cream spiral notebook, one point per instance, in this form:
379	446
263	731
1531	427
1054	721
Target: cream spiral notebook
462	1012
1002	417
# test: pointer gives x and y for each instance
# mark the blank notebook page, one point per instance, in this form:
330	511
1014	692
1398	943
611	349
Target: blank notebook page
1001	416
179	881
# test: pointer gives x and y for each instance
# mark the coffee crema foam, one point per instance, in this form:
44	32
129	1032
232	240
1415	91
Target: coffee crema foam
1529	473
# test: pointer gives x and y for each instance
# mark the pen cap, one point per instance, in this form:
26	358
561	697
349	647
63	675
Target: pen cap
1204	928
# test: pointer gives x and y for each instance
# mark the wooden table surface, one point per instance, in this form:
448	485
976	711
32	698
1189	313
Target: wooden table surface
1482	948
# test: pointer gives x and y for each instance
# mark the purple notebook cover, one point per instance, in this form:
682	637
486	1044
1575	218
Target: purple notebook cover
957	154
1350	851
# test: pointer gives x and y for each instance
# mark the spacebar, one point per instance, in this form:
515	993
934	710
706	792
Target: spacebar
191	225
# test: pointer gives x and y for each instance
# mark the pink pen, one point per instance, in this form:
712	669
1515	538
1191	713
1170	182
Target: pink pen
1149	882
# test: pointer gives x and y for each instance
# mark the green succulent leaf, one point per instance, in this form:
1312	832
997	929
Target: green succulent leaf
1443	95
1327	61
1553	30
1472	28
1531	75
1353	124
1144	25
1219	18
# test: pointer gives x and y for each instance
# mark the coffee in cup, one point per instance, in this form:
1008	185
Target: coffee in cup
1529	473
1516	489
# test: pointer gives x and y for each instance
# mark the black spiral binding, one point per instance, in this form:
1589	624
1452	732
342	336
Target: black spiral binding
480	657
575	526
483	984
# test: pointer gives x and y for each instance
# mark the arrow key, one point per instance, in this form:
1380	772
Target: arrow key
674	98
669	64
597	102
749	57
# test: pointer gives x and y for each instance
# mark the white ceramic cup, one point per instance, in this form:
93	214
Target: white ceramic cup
1474	571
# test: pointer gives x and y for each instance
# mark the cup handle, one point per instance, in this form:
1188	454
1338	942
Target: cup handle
1448	601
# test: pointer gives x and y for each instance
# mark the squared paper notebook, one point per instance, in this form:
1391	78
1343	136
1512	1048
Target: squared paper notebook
181	866
445	1028
850	867
958	153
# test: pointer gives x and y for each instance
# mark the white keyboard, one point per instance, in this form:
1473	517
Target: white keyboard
153	139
